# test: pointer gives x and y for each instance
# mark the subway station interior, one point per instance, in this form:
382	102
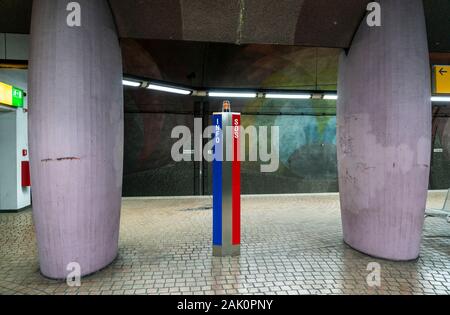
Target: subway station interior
224	147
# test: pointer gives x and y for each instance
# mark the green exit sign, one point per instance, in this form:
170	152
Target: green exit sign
11	95
17	96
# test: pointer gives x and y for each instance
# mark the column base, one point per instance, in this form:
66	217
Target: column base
82	276
222	251
383	257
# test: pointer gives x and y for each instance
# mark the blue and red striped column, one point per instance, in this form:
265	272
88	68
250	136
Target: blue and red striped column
226	184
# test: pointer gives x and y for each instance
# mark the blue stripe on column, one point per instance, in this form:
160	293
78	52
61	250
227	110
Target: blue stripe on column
217	181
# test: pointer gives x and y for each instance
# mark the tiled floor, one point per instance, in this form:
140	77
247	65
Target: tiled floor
291	245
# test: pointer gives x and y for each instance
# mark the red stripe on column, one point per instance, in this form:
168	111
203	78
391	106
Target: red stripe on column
236	182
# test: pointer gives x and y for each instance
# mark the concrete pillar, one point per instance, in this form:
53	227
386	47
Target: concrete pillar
384	133
76	136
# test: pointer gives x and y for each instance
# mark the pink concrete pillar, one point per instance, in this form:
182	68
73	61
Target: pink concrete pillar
384	133
76	136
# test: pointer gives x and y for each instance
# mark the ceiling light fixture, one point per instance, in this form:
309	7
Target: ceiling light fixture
168	89
440	99
288	96
131	83
232	94
330	97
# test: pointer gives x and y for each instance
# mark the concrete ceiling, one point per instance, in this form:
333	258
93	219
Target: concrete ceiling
321	23
301	22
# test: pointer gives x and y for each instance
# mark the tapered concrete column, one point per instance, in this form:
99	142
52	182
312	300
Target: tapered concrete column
76	136
384	133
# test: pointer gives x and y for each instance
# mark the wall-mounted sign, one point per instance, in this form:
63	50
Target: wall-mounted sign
11	95
441	75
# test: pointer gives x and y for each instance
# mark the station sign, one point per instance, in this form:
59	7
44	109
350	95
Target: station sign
11	95
441	79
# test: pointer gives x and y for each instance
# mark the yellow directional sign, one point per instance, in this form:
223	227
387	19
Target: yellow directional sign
6	94
10	95
441	79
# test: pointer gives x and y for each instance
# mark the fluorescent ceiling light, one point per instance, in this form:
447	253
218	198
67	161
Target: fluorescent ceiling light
233	94
168	89
289	96
330	97
131	83
440	99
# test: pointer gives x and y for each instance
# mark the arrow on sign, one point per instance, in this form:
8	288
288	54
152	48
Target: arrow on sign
442	71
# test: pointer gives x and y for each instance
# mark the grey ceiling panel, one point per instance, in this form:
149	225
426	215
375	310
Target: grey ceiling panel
156	19
329	23
211	21
268	21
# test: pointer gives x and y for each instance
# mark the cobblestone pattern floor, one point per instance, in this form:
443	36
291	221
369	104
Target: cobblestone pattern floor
291	245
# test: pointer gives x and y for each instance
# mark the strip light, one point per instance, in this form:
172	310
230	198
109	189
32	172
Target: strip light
131	83
233	94
288	96
330	97
440	99
169	89
272	95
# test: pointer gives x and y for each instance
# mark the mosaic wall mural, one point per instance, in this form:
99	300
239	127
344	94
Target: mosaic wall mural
307	127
